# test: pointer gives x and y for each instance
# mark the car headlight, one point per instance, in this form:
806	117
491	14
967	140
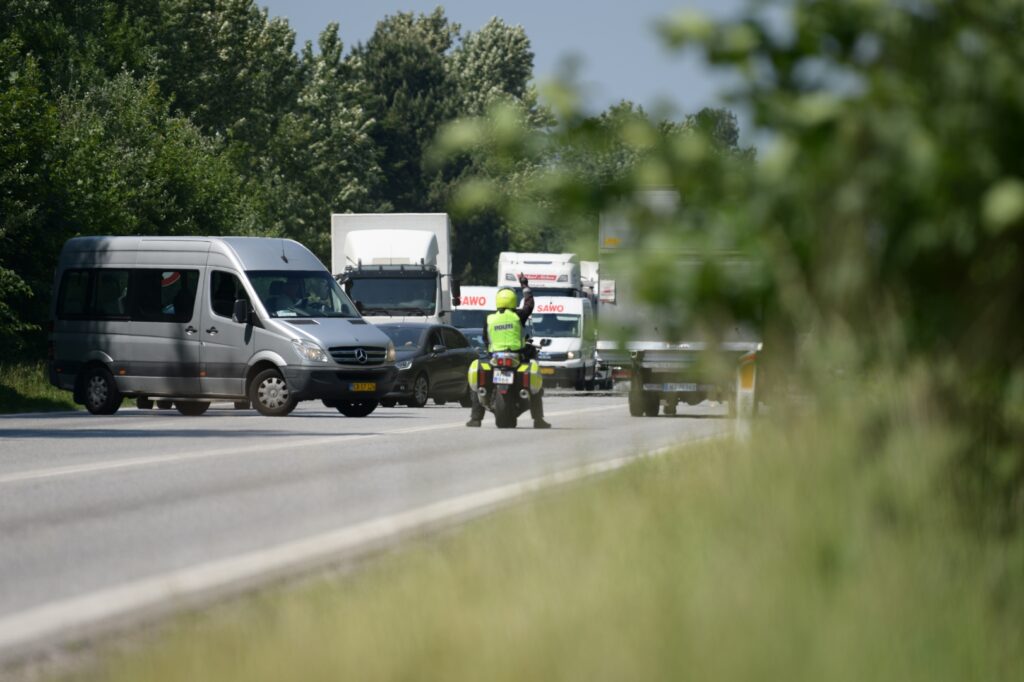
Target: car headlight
571	355
404	364
390	355
310	351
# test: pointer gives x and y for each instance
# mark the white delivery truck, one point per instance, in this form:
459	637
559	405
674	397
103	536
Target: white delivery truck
564	329
396	266
662	367
550	274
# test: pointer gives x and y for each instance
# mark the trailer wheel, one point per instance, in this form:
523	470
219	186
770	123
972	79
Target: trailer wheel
636	404
652	401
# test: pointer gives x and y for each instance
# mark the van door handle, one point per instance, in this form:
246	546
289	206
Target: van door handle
211	331
190	330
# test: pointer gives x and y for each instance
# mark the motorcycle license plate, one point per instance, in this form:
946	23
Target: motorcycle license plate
503	377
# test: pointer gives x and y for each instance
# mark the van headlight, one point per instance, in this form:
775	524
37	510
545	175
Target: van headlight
390	355
571	355
404	364
310	351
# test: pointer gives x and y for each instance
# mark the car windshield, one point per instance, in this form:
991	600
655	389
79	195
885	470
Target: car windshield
557	326
296	293
404	337
394	295
469	319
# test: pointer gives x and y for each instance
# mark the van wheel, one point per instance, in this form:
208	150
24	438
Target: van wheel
192	408
100	391
143	403
270	394
581	382
356	408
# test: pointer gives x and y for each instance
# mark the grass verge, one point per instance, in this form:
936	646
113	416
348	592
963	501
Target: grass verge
24	387
821	551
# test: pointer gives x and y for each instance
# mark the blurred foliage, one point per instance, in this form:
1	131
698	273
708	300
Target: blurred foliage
885	224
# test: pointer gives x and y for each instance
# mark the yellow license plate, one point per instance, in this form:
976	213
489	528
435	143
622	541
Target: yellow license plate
364	386
547	370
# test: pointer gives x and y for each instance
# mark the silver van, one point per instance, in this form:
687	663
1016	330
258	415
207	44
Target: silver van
186	320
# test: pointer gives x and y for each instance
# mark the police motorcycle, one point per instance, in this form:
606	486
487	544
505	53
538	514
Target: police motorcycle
506	382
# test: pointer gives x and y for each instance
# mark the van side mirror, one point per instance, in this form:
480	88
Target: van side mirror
242	311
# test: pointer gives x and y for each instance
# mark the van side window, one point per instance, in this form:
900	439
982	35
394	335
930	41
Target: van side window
110	294
224	289
164	295
72	301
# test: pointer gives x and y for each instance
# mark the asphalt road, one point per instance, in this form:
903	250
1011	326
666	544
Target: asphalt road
103	516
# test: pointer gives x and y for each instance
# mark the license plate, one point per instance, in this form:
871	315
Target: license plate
547	370
503	377
364	386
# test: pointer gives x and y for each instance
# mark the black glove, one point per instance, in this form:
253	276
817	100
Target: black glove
523	282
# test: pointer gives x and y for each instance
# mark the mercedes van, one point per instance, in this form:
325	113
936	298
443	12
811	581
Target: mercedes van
564	329
187	320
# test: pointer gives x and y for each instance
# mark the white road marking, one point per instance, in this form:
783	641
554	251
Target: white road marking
72	616
284	443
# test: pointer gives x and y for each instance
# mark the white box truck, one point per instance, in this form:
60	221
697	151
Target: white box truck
396	266
475	304
564	329
550	274
633	342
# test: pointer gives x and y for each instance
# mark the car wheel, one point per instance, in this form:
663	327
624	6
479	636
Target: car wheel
143	403
420	391
100	391
439	401
192	408
356	408
270	395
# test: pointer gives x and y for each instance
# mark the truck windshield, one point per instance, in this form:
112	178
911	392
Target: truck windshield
470	319
557	326
395	295
565	292
297	293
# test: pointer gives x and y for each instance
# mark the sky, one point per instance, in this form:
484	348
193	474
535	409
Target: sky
620	56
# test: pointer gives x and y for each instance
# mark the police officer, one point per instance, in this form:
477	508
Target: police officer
504	331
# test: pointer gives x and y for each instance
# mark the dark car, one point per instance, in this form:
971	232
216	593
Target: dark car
432	362
476	339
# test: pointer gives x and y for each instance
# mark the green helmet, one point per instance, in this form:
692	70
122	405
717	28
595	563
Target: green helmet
506	298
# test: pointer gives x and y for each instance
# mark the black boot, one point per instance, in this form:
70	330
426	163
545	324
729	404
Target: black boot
473	422
541	424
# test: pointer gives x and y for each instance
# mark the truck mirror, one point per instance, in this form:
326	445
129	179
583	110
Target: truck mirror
456	292
241	311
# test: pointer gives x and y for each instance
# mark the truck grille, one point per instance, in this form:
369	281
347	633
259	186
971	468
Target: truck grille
358	355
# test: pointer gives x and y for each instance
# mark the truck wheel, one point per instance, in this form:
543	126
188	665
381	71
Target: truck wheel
270	395
164	404
192	408
636	404
356	408
100	391
651	404
420	391
504	411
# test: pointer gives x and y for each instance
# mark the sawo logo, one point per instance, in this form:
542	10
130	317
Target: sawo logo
551	308
468	301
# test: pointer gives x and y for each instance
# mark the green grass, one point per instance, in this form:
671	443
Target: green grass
24	387
823	551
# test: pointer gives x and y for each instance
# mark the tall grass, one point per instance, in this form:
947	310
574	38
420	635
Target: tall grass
24	387
821	550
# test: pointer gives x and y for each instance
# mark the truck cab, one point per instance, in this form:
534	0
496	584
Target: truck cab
550	274
395	266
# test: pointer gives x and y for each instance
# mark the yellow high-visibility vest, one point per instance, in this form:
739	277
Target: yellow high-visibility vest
504	331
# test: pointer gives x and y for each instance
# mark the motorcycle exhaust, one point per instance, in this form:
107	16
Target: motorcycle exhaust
524	394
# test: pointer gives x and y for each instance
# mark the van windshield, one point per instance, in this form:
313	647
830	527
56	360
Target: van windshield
556	326
297	293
